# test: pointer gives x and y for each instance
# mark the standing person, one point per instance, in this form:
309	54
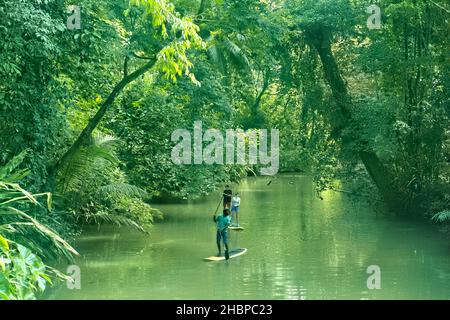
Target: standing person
227	193
235	203
223	221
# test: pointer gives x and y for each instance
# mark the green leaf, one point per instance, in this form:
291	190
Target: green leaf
2	264
4	244
12	164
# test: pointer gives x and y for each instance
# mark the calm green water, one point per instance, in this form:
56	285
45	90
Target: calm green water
299	247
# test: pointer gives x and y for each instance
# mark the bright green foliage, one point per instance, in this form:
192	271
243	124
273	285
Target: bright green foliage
93	189
145	142
442	216
22	272
261	68
172	59
20	226
28	93
364	111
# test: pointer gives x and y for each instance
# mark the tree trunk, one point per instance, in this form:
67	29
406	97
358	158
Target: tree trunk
94	121
255	106
320	39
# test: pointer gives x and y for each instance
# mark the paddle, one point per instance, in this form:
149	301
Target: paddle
218	205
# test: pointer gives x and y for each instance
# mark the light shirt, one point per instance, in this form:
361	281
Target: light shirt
236	202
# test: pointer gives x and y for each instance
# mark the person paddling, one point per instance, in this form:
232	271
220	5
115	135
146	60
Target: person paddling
223	221
227	193
235	203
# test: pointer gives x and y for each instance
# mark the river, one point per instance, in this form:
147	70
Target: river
299	247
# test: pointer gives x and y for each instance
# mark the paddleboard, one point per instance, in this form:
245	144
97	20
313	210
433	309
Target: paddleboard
236	228
233	254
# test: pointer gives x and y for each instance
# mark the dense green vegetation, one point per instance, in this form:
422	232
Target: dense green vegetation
364	111
22	271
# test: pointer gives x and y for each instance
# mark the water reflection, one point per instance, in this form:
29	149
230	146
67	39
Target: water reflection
299	247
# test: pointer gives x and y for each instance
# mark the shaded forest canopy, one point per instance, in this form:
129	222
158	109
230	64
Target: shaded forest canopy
87	114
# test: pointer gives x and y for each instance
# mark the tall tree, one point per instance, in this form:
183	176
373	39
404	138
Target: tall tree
171	59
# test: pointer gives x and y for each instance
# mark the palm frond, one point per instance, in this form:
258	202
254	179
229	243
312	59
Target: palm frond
103	146
97	154
225	53
20	226
217	57
121	189
6	170
442	216
97	192
236	54
46	232
17	176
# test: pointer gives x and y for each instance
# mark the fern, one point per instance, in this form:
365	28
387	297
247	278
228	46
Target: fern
217	57
7	169
442	216
120	190
16	224
97	192
224	53
236	54
99	151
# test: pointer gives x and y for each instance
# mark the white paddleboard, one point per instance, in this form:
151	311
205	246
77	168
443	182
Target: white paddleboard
233	254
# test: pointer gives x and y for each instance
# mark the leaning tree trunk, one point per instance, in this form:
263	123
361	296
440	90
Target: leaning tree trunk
320	39
94	121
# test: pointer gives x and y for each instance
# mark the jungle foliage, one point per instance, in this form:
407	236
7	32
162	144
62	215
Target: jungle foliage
365	110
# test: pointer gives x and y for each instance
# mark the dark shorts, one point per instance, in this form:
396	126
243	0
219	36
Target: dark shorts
227	204
222	235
